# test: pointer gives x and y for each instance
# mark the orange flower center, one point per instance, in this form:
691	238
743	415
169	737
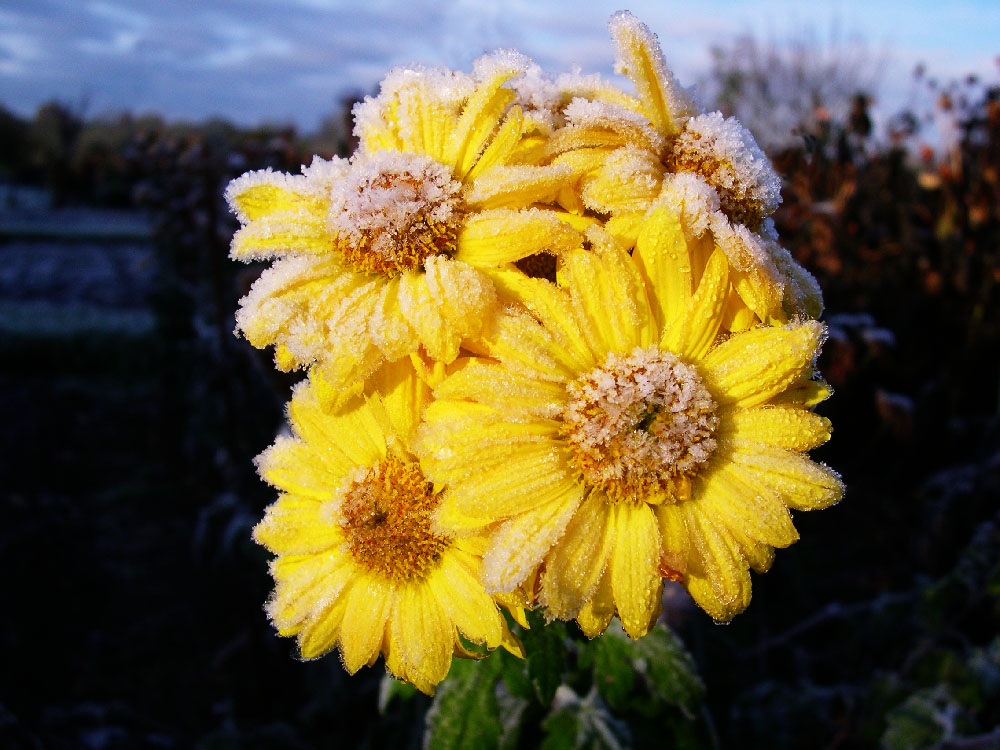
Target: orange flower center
386	514
640	426
392	211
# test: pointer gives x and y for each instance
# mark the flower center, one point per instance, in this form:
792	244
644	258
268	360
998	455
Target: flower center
394	210
640	426
726	155
386	514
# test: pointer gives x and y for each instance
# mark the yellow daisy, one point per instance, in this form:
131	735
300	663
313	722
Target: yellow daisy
383	254
627	155
358	564
617	439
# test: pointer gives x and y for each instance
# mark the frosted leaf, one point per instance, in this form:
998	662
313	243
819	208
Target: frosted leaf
727	156
640	57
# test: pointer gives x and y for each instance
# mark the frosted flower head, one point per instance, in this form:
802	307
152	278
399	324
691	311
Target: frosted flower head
640	425
726	155
394	210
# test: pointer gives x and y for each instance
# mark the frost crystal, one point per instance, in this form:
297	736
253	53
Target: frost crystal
393	210
638	422
727	156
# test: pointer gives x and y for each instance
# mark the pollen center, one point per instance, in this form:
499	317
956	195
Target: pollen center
640	426
386	514
393	210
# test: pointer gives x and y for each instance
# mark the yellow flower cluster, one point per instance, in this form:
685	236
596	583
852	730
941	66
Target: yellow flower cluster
555	352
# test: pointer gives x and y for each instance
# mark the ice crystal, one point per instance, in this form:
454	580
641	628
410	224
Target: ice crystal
639	421
727	156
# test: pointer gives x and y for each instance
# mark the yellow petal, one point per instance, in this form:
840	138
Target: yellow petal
389	330
597	613
464	600
519	545
502	146
625	228
404	396
554	308
635	562
516	186
435	333
663	258
491	384
529	478
641	59
492	238
800	483
305	585
479	119
521	343
363	626
609	299
753	366
263	193
424	635
300	468
718	578
465	296
292	233
355	431
293	526
574	566
804	393
750	507
320	634
675	542
692	333
627	182
780	427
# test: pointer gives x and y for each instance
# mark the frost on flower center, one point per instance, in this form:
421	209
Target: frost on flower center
726	155
640	426
386	516
392	211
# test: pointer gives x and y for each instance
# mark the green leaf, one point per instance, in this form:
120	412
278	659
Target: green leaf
390	688
614	674
582	724
545	645
669	670
919	722
464	713
515	675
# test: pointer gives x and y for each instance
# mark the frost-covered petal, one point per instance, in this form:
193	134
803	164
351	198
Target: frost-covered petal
367	609
492	238
718	578
634	567
519	545
464	601
641	59
753	366
576	563
424	635
693	332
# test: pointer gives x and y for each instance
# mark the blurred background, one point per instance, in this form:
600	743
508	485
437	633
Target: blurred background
133	609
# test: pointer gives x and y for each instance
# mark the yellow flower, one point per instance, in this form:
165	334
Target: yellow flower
383	254
617	439
359	565
629	155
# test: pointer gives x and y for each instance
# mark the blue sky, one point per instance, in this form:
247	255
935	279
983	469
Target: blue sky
289	60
